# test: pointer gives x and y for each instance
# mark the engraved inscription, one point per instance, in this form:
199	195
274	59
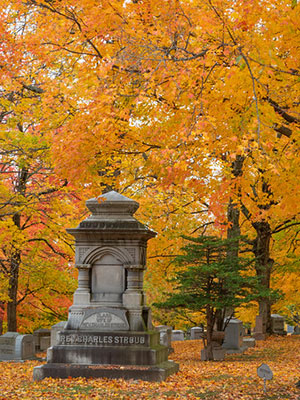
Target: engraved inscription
100	340
8	341
102	320
7	351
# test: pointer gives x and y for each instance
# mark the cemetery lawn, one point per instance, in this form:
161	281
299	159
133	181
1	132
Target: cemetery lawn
232	379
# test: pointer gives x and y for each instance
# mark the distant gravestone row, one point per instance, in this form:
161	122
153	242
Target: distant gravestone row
17	347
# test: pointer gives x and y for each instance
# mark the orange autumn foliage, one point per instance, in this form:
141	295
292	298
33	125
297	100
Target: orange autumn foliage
157	99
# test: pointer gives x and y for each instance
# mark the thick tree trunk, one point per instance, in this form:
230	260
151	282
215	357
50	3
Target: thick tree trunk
13	292
263	267
233	219
15	259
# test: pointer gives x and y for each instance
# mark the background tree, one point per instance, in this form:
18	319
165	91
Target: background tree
209	281
34	202
169	95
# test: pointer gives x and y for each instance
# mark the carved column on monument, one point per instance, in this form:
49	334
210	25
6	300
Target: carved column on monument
82	294
133	298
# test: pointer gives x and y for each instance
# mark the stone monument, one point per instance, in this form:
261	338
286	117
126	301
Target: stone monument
109	331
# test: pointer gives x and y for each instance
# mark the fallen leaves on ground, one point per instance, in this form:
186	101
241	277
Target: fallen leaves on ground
235	378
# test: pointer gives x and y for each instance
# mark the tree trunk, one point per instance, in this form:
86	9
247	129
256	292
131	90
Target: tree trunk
13	291
263	267
233	219
15	259
1	317
209	332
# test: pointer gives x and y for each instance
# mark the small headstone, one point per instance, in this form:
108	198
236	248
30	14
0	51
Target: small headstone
265	372
233	341
177	335
14	346
277	324
45	343
196	332
165	336
38	334
55	329
260	328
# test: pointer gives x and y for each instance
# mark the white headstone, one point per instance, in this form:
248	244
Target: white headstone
165	336
196	332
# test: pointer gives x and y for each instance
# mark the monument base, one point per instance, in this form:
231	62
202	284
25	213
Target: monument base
127	355
151	373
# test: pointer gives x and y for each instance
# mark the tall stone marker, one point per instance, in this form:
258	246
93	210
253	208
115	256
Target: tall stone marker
109	331
260	328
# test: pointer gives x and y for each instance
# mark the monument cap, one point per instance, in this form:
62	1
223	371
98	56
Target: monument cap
112	203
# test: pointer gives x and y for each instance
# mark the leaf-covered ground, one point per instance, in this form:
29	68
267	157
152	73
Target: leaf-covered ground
233	379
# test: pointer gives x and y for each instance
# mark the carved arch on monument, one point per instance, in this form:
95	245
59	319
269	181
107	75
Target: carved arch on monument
122	255
108	274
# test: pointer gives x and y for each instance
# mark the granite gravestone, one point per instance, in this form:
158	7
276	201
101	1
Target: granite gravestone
277	323
109	331
14	346
177	335
233	341
197	333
